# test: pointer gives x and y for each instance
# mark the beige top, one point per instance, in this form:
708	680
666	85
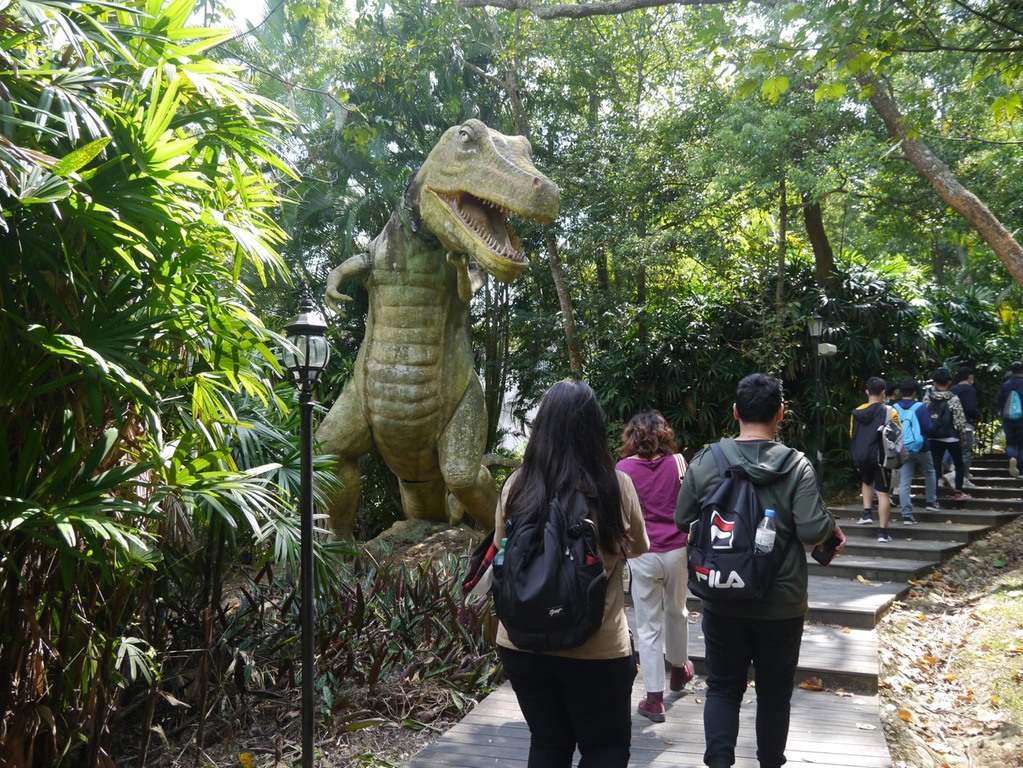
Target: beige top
611	640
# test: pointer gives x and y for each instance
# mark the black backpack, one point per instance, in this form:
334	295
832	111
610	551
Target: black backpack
723	563
942	423
549	591
866	448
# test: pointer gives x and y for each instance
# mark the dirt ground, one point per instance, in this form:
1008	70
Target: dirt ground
951	683
951	677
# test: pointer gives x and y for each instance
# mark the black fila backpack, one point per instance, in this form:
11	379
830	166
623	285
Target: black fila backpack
723	562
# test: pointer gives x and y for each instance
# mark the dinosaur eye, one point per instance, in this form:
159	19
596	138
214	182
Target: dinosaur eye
466	135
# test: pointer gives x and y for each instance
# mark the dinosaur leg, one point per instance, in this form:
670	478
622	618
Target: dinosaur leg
460	449
345	433
424	499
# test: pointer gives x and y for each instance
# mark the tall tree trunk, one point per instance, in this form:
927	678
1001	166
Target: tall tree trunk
575	360
783	231
495	347
962	200
642	323
823	255
603	273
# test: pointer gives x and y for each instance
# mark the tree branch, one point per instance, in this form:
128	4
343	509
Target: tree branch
958	197
565	11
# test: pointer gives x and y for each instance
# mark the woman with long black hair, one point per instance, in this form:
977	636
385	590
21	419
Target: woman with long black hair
579	697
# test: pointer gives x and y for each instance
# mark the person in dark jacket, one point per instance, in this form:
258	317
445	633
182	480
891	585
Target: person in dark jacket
1013	427
966	391
865	448
766	632
950	438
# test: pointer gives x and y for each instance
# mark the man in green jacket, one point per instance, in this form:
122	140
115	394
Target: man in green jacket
767	632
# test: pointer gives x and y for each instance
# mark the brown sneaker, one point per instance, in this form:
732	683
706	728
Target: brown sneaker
681	675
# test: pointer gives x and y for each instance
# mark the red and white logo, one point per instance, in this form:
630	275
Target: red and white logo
722	531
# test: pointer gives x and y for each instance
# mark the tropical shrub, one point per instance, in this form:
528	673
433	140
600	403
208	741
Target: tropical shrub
136	190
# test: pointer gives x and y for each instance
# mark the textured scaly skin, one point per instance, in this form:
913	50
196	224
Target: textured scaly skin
415	395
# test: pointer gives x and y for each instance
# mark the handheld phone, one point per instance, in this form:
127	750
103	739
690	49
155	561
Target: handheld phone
824	553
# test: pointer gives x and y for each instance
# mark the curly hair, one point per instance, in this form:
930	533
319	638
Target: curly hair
647	435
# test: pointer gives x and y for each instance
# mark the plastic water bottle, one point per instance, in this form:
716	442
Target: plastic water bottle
764	539
499	557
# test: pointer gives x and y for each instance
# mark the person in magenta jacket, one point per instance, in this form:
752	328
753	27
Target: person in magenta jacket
651	459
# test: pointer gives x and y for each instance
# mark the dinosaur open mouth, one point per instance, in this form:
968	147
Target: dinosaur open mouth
487	222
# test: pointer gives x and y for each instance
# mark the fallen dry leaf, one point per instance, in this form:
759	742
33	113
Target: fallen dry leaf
906	715
812	684
866	726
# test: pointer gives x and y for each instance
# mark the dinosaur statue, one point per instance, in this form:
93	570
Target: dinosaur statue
414	394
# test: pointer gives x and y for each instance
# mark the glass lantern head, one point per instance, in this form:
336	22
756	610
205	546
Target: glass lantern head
308	353
815	325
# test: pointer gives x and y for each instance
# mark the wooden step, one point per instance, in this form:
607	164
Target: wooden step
904	544
848	602
963	514
984	491
877	568
955	533
843	600
967	512
842	656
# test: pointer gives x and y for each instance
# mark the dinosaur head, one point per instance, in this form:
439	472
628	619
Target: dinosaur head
470	183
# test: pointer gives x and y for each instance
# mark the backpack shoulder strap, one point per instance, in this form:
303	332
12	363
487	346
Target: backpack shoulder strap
680	460
719	457
574	505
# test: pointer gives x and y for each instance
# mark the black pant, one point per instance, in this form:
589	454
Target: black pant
574	702
1013	439
732	644
955	450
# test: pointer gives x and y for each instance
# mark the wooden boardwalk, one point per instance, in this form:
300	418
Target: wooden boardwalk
828	730
838	727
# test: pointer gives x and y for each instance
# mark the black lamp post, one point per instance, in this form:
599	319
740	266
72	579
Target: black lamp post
305	360
816	326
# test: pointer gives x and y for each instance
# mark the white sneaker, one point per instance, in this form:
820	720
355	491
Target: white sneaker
1013	468
967	484
950	480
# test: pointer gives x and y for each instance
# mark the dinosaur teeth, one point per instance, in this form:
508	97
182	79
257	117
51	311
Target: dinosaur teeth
491	230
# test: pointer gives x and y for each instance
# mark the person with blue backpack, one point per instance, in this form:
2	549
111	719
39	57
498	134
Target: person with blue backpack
916	424
1010	408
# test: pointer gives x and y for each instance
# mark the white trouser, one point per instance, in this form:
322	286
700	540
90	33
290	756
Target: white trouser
662	625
